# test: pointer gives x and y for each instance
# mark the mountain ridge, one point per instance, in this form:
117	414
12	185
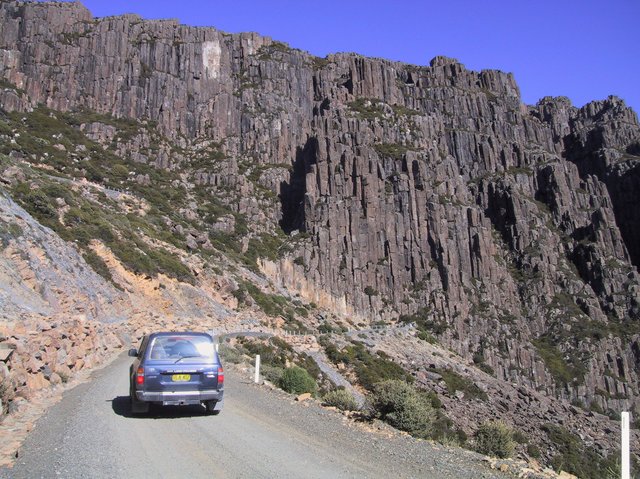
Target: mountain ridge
378	190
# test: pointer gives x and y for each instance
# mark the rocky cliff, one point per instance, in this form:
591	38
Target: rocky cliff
422	194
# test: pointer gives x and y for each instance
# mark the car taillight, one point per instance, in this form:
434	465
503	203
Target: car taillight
140	376
220	376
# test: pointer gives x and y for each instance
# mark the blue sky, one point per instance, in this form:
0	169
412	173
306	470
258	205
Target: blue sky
583	49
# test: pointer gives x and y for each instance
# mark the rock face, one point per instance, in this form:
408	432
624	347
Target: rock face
426	191
44	275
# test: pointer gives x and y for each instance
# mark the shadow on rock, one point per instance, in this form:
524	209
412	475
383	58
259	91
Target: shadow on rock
121	405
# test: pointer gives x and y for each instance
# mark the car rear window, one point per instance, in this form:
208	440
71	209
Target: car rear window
182	347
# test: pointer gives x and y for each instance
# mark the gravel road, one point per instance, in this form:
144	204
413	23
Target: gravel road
261	433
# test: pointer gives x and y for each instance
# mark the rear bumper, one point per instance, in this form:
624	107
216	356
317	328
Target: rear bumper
180	397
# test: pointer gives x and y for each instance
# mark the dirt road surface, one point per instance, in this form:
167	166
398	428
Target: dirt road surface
261	433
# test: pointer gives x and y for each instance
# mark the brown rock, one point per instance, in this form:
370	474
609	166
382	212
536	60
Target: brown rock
36	381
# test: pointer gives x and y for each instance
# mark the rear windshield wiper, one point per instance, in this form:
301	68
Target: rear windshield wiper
184	357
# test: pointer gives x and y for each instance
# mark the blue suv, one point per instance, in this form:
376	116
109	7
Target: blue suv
175	369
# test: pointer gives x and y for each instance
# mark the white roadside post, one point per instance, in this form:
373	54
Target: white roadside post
625	467
256	379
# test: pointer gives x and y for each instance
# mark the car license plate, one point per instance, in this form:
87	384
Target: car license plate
181	377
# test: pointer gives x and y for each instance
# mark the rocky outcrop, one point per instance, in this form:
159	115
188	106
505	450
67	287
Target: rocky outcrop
429	192
44	275
57	316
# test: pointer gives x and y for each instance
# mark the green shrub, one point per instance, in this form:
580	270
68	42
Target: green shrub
271	373
369	291
369	368
296	380
533	451
273	353
495	438
240	294
325	328
309	364
486	368
40	205
230	354
341	399
402	406
87	223
456	382
520	437
445	432
428	327
390	150
574	457
401	110
99	266
132	258
428	337
165	262
138	257
272	304
564	371
367	109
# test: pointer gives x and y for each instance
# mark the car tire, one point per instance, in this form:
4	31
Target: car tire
211	408
137	407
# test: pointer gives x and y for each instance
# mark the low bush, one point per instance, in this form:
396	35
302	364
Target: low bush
456	382
309	364
402	406
429	328
273	374
325	328
367	109
533	451
39	204
273	353
230	354
341	399
370	368
165	262
574	457
495	438
99	266
296	380
272	304
390	150
565	369
445	432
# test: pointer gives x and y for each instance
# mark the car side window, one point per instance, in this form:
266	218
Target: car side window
143	346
